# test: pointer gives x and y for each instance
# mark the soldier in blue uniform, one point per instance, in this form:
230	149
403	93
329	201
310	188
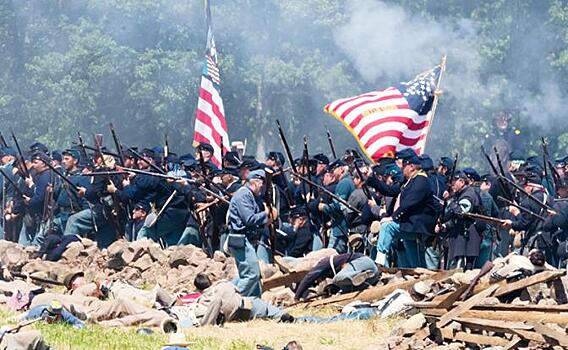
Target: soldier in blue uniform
413	218
246	221
337	211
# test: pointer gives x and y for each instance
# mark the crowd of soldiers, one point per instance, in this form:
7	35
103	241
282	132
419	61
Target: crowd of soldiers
405	210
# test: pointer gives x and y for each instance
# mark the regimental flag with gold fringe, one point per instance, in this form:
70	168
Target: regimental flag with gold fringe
389	120
210	123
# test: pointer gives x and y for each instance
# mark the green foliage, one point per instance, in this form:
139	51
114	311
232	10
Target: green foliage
78	65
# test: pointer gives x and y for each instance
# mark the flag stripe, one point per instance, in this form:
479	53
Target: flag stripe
385	121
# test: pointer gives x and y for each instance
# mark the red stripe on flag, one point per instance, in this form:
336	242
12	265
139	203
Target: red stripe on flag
207	96
406	141
374	93
409	122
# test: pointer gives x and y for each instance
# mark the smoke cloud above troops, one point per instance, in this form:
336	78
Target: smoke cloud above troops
388	43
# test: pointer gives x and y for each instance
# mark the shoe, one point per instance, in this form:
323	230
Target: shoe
80	315
287	318
361	278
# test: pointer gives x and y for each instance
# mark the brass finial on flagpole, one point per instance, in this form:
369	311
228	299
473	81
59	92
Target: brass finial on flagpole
437	93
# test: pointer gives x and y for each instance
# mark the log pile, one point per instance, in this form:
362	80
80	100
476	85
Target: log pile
530	312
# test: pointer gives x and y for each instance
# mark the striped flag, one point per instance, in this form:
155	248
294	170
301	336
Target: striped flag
210	123
386	121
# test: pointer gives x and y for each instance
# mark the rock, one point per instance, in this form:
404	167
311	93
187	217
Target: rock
143	263
14	256
177	258
87	243
267	270
135	250
116	263
72	252
47	269
157	253
117	247
219	256
411	325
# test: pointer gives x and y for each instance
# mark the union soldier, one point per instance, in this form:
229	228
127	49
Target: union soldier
414	215
464	233
246	221
337	211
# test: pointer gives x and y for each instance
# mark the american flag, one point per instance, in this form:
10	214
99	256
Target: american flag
392	119
210	123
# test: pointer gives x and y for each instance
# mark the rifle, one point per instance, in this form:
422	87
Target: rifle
360	174
306	162
117	144
166	153
38	279
105	173
21	156
139	157
163	208
205	244
333	195
523	209
19	326
210	185
330	141
116	207
504	188
88	162
160	175
94	149
62	177
3	142
445	201
9	179
548	164
530	196
286	147
484	218
268	202
452	174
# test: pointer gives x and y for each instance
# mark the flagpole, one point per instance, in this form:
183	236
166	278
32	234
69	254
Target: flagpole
435	102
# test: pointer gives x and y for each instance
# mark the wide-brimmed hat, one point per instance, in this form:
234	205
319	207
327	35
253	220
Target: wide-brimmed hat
177	339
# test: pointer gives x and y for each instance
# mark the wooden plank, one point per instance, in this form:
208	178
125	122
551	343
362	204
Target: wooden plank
506	287
513	343
514	316
465	306
541	277
452	297
529	335
500	306
284	280
378	292
492	325
524	308
559	291
449	334
404	271
549	332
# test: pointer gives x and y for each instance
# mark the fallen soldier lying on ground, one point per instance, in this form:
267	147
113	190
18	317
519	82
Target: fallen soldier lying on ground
349	271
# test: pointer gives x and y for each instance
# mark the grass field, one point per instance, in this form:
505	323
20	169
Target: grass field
233	336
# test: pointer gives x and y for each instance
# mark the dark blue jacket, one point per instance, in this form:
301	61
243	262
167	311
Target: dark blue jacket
39	192
418	209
